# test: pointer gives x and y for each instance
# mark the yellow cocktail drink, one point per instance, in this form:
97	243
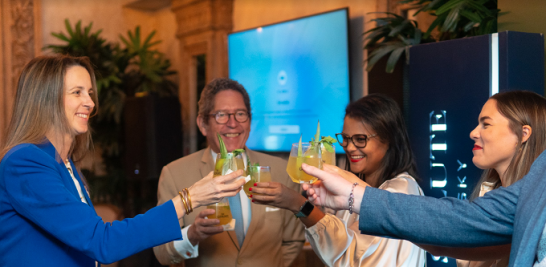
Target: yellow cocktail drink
223	213
296	173
219	166
222	166
257	174
328	157
306	154
239	164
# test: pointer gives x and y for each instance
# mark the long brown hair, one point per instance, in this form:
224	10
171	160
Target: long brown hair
383	115
520	108
39	104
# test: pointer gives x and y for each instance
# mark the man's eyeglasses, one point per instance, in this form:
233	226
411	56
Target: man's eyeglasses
359	140
222	117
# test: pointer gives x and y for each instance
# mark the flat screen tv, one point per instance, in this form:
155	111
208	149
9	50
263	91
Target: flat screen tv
296	73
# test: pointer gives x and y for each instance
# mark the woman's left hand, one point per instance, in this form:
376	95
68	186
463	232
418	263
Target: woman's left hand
277	195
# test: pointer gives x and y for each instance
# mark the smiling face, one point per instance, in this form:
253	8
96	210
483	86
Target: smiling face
495	143
364	160
233	132
78	103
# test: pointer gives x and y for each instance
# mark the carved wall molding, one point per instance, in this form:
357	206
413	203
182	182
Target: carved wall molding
20	38
22	34
203	26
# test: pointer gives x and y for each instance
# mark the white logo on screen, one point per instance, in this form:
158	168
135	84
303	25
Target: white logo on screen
282	77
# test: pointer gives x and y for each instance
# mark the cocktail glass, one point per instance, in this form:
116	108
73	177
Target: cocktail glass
328	157
311	155
222	167
257	174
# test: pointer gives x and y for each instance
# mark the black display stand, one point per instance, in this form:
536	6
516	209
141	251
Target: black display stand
448	84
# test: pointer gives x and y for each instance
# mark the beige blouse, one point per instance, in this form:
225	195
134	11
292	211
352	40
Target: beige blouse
337	240
502	262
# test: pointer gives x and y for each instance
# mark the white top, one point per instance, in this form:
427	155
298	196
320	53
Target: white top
76	183
78	187
502	262
337	240
184	246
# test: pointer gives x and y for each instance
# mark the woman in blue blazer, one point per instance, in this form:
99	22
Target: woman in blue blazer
46	216
515	214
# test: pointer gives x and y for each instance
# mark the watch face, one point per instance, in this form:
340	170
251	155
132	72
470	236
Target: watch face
305	210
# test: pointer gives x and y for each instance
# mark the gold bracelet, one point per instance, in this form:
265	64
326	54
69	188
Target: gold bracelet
184	202
188	211
189	199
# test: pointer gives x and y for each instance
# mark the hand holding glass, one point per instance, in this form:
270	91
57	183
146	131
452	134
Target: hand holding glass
222	166
258	174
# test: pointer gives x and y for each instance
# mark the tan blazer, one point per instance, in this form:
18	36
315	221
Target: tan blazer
274	238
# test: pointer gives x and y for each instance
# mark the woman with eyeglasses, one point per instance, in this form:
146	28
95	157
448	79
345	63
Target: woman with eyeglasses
504	227
376	143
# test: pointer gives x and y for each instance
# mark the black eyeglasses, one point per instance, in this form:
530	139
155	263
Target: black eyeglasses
222	117
359	140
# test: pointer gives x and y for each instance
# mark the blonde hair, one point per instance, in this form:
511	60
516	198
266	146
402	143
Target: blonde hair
520	108
39	104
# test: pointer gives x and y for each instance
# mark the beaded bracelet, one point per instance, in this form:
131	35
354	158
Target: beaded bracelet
352	198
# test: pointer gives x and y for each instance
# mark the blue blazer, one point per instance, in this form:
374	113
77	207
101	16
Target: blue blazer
43	222
516	214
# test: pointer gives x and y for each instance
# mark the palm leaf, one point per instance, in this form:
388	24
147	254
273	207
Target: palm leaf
451	20
396	30
471	16
61	36
68	28
393	59
447	7
380	52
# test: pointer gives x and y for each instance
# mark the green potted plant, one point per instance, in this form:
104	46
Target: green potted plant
454	19
123	71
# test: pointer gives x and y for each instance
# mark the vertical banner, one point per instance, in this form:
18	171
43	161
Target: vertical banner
449	82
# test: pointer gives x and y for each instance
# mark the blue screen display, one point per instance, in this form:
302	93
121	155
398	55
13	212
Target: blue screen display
296	73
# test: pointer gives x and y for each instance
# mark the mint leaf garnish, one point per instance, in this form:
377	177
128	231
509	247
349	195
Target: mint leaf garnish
238	152
328	147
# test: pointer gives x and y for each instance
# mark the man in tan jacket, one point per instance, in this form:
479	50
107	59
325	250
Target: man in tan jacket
272	237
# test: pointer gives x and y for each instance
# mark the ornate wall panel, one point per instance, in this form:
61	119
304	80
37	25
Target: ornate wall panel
202	29
19	43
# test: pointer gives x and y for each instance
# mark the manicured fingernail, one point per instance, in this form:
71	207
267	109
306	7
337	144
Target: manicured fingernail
255	184
250	189
250	195
253	200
